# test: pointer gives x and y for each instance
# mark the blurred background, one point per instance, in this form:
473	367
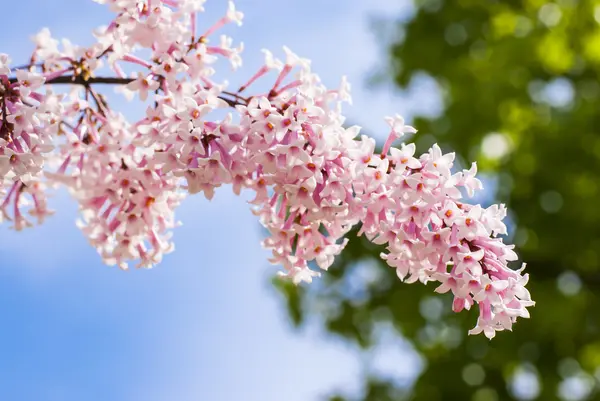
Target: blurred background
511	84
519	87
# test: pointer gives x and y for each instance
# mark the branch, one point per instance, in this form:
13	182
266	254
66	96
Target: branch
79	80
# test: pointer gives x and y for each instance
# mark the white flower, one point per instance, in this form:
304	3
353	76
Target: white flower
398	127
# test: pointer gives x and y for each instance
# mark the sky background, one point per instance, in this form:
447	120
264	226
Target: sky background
205	324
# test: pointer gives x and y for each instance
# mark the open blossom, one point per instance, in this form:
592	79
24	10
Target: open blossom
314	178
143	84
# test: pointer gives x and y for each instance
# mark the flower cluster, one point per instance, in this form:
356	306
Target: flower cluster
313	177
29	122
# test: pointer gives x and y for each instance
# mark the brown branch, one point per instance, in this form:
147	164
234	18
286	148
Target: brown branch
79	80
99	103
235	95
231	102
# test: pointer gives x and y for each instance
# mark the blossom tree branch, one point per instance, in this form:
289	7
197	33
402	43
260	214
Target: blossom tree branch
80	80
313	178
87	82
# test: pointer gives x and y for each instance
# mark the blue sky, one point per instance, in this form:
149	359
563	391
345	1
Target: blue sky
205	324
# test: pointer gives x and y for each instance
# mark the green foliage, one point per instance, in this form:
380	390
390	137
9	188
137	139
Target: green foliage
495	62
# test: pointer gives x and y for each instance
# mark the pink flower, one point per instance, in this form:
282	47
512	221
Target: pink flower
469	262
143	84
469	181
312	178
28	82
4	63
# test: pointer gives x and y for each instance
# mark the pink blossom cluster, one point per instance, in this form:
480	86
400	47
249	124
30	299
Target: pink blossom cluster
313	178
29	122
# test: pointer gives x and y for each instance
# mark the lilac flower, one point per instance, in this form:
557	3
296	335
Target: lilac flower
313	179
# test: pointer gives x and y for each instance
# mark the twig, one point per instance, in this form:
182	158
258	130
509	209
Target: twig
79	80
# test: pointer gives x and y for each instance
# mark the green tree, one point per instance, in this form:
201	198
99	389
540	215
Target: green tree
520	85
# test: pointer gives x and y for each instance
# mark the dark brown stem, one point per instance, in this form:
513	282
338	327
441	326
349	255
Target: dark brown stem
235	95
79	80
99	103
231	102
5	131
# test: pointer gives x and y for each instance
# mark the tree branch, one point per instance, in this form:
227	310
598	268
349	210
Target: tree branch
79	80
